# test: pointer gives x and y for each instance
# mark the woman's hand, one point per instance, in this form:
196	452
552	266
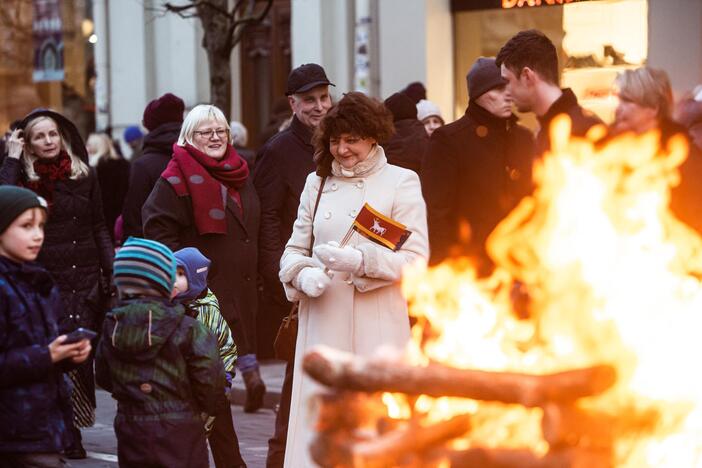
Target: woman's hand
312	281
15	144
345	259
77	352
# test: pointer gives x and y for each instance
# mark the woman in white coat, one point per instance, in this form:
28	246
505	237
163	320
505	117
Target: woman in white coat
356	305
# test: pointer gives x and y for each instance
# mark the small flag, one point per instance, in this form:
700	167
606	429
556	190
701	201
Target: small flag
380	229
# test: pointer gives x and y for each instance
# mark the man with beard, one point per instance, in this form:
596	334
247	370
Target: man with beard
476	169
283	165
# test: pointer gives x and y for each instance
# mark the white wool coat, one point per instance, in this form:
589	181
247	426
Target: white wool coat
357	314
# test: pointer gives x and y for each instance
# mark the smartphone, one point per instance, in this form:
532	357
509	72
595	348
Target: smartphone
79	334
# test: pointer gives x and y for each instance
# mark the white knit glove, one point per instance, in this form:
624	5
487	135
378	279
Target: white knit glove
312	281
346	259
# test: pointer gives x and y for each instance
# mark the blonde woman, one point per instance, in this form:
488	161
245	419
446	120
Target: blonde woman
113	176
46	154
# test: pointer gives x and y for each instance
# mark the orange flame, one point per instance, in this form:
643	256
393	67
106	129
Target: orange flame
612	278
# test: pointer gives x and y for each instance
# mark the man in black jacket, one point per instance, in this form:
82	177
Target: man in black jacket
163	118
282	167
529	63
407	146
476	169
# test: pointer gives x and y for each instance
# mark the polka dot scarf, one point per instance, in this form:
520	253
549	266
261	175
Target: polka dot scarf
192	173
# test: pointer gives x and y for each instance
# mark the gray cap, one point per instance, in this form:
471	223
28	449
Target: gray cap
483	76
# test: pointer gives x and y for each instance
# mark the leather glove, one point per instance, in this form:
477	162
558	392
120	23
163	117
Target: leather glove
312	281
346	259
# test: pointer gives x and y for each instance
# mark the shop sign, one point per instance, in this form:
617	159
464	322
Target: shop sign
48	41
466	5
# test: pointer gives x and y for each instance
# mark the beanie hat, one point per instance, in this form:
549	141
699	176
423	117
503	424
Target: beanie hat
196	266
427	109
401	107
132	133
167	108
415	91
483	76
144	267
16	200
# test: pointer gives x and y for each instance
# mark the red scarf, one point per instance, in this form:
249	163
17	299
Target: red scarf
49	171
191	172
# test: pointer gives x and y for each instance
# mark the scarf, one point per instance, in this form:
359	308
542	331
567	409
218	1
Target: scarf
50	170
375	160
207	181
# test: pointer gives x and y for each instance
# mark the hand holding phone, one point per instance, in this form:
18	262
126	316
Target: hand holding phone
79	334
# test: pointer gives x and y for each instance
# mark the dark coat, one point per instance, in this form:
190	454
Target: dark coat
113	176
145	171
283	165
476	169
234	255
408	145
163	368
582	120
34	396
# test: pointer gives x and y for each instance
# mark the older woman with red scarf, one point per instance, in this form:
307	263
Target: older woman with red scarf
206	199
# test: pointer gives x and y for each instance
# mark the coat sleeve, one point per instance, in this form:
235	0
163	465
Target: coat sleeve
138	191
164	215
102	357
382	266
297	255
268	181
102	237
10	172
24	365
439	187
205	368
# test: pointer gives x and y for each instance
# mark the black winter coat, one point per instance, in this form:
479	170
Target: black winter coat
282	167
77	248
145	171
476	169
582	120
232	276
113	176
409	144
34	396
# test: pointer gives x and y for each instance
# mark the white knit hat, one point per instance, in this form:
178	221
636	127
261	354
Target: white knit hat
427	109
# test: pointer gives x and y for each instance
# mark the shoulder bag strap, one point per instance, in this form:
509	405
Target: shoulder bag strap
314	212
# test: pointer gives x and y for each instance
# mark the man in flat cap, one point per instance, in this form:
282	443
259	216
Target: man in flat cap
282	167
476	169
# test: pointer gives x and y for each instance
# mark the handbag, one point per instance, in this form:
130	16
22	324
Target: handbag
285	339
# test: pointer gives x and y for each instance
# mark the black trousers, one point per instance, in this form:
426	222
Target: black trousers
276	444
223	440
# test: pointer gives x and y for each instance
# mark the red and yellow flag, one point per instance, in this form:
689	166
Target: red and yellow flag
380	229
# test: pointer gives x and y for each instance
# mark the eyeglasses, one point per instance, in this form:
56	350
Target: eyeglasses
207	134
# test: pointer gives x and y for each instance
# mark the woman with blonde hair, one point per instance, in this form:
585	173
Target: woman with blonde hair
47	155
205	199
646	104
113	175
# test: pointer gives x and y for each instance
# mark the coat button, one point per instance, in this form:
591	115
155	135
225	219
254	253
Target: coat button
75	218
327	215
73	291
247	278
146	388
481	131
247	241
73	266
75	242
359	184
334	186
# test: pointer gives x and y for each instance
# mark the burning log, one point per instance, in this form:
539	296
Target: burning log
337	449
345	371
521	458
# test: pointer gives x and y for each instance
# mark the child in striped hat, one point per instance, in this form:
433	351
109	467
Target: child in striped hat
162	366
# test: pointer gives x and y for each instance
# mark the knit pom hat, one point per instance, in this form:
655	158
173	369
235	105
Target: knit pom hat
167	108
483	76
401	107
196	266
132	133
144	267
16	200
427	109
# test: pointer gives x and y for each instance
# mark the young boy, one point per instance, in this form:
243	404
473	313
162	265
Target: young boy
161	366
201	303
34	396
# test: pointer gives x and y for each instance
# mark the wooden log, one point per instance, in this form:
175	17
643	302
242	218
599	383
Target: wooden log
339	450
347	410
345	371
523	458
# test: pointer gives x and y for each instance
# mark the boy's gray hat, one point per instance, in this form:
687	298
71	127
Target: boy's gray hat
16	200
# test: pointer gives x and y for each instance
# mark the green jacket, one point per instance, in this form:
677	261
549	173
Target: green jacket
157	362
207	311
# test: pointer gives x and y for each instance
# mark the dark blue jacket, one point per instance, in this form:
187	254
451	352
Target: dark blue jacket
34	397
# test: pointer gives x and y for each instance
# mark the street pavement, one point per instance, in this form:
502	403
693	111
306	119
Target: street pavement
253	430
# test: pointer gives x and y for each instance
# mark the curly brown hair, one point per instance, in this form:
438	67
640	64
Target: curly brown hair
355	114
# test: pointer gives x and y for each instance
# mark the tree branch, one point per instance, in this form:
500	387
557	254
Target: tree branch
238	27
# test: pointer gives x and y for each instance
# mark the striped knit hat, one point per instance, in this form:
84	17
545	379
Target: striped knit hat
144	268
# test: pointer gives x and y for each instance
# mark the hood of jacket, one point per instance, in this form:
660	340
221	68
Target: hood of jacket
196	266
139	329
161	138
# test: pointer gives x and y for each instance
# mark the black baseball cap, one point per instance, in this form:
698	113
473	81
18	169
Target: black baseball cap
306	77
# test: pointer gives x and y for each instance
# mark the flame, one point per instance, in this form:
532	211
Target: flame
612	277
